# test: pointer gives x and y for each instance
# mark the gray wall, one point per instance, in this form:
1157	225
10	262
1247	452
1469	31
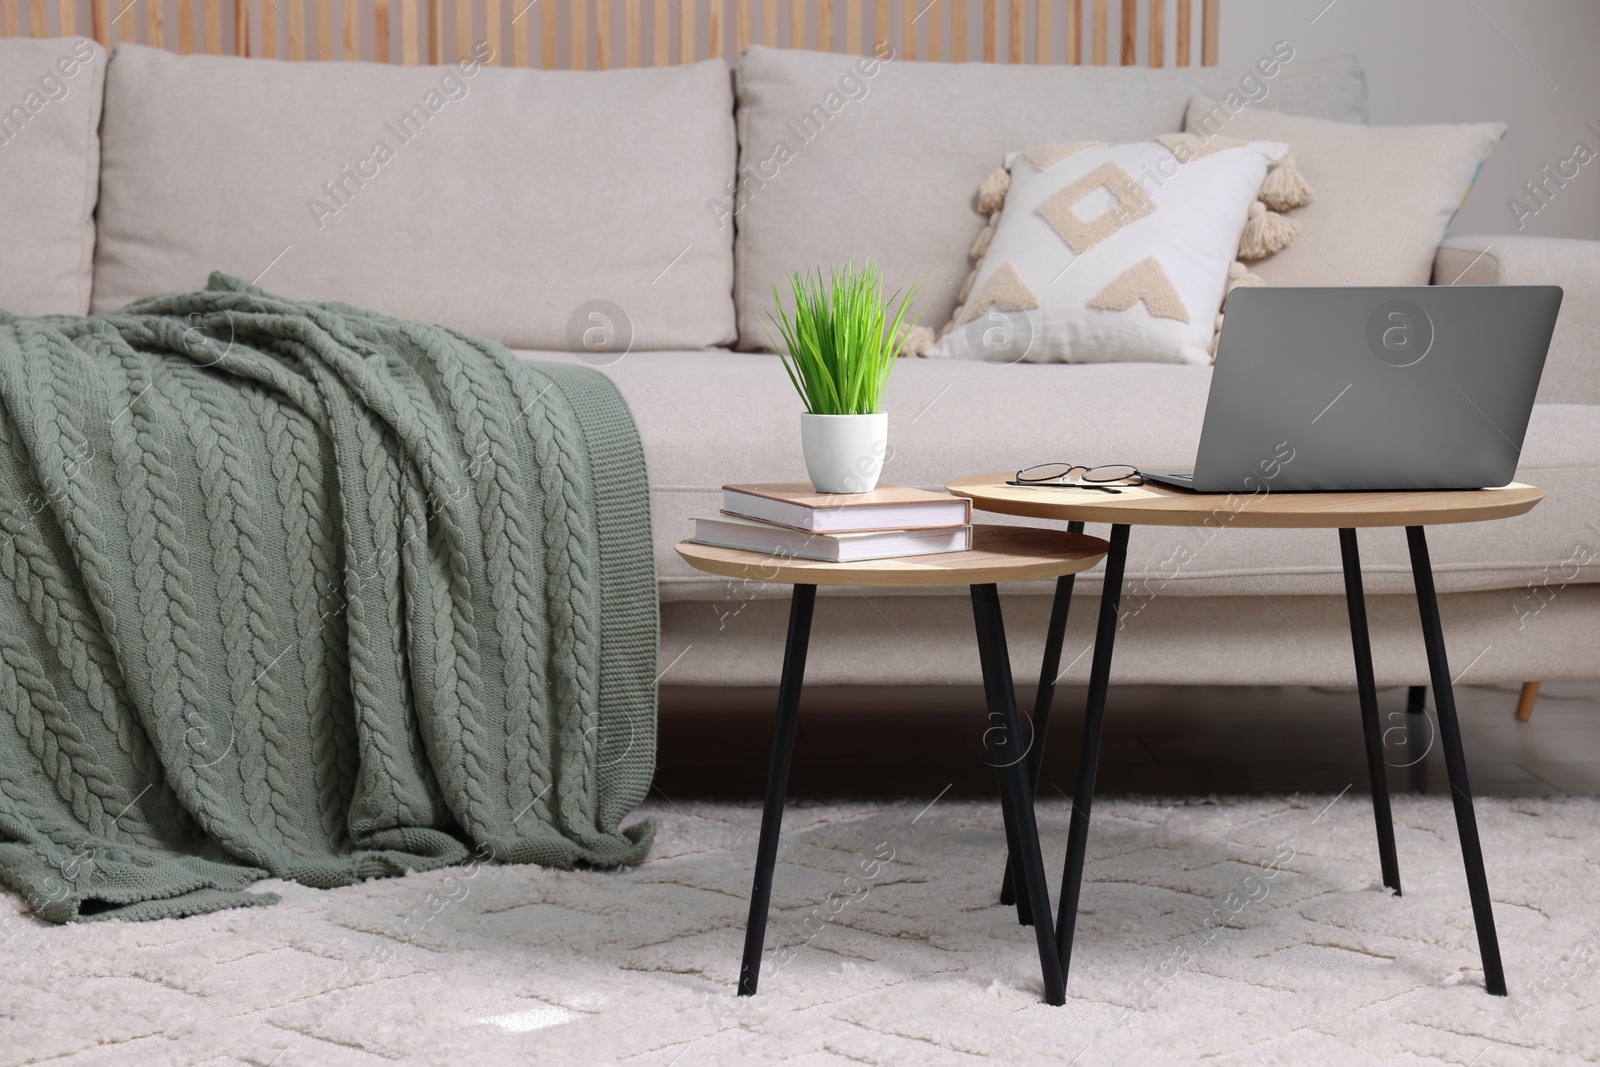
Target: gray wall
1528	63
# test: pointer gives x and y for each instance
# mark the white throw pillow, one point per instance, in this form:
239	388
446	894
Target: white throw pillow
1108	253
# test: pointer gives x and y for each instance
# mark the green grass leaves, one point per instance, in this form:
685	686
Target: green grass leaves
840	344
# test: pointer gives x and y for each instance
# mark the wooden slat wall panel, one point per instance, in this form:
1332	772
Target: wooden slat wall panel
380	29
919	26
269	29
352	31
463	32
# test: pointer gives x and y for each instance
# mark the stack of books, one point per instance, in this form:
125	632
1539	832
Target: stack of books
791	519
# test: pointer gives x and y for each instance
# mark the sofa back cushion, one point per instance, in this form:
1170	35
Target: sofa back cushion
540	208
1384	194
50	93
844	157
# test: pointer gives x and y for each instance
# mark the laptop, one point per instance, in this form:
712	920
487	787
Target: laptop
1358	389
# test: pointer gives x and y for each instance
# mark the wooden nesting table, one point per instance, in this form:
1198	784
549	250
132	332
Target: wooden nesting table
1155	505
999	554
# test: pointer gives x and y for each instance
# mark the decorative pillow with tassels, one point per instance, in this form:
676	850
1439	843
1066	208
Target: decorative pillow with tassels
1100	253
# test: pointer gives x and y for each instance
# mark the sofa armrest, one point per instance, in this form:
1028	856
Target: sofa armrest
1572	371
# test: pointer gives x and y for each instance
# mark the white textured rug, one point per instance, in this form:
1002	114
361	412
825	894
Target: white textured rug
900	954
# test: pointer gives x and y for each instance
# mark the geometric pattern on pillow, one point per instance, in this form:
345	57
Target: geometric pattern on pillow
1045	156
1004	289
1189	146
1144	282
1129	205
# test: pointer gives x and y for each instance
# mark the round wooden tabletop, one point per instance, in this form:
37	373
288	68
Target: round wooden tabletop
1157	505
998	554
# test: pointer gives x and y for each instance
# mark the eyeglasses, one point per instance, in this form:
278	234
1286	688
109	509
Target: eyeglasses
1107	478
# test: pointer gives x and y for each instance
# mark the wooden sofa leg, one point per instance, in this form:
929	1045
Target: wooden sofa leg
1530	693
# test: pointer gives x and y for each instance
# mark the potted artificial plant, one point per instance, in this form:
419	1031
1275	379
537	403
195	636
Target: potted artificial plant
838	349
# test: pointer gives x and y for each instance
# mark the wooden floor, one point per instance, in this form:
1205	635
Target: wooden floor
1159	740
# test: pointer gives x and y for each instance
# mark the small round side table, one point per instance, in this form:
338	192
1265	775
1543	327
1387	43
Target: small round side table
1155	505
999	554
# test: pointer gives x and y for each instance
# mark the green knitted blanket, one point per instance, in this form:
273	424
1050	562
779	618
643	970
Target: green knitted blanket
296	590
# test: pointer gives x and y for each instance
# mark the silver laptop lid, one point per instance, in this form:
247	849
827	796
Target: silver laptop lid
1402	387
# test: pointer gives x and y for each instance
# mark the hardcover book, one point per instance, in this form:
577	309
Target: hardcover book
888	507
730	531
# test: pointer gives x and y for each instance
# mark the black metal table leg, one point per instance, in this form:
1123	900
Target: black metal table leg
1416	699
994	735
1360	641
1014	779
1455	762
794	669
1089	758
1045	696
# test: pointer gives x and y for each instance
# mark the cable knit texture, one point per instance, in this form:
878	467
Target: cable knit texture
296	590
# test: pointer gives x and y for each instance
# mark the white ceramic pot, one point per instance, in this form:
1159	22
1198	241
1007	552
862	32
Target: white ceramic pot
844	453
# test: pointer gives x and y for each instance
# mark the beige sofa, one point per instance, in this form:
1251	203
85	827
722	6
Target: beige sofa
536	207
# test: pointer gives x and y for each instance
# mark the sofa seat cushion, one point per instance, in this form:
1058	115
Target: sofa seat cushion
50	94
710	418
517	204
843	154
